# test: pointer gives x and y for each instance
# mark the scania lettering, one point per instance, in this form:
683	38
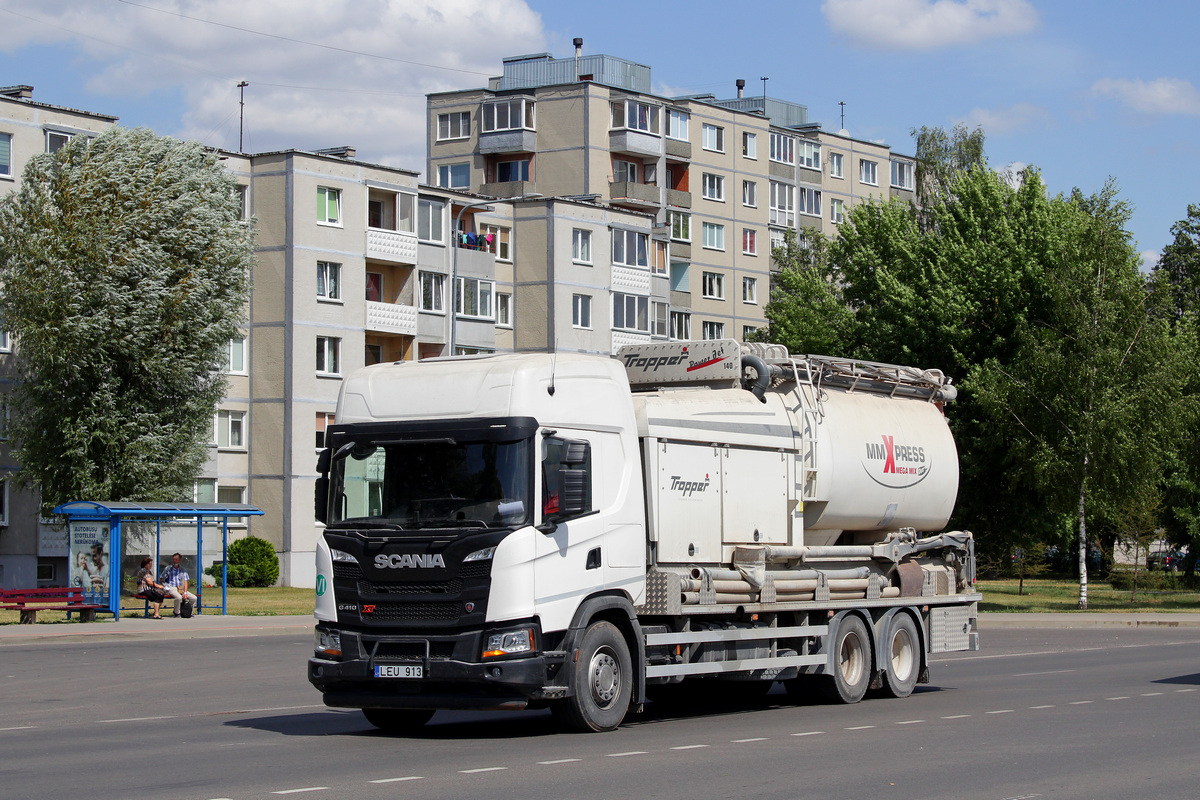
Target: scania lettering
592	534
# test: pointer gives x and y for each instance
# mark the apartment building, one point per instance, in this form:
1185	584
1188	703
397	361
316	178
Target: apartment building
33	551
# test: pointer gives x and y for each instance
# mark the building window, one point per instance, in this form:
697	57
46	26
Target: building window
868	172
714	236
231	496
635	115
5	154
681	226
5	342
677	124
783	148
324	420
681	325
713	186
329	352
658	319
508	115
497	241
658	257
630	248
504	309
750	290
390	211
712	330
835	165
329	280
748	332
713	138
454	176
243	191
625	171
837	211
750	145
581	246
810	155
581	310
429	220
372	354
474	298
235	356
456	125
374	288
749	242
783	206
631	312
329	206
809	201
713	285
902	175
230	429
433	292
750	194
55	141
205	490
507	171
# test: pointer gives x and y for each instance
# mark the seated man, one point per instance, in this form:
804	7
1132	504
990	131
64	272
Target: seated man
175	582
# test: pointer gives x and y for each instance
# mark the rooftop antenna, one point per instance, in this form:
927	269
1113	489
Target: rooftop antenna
843	105
553	366
241	113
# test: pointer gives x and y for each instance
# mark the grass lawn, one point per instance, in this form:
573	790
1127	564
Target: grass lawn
1054	594
272	601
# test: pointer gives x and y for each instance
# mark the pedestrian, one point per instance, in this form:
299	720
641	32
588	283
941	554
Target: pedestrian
175	581
148	588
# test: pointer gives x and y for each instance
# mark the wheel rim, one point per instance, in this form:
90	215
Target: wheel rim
851	659
902	655
604	677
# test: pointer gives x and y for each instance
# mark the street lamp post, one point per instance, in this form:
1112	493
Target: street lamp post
454	257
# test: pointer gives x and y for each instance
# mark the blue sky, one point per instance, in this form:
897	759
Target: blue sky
1082	90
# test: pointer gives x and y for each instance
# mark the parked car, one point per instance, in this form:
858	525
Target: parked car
1166	560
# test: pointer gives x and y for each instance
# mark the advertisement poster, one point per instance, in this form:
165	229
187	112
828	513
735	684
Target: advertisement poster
89	559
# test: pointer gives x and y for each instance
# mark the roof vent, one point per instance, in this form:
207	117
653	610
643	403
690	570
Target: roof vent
345	151
20	92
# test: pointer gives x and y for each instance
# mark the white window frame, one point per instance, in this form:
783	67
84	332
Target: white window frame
635	305
448	173
501	246
625	171
712	186
322	421
659	314
783	148
581	311
677	124
749	242
5	153
581	246
905	170
328	196
430	214
436	294
712	285
625	241
457	125
229	425
809	155
868	172
504	317
808	201
329	282
750	145
783	204
750	194
837	211
712	138
711	330
680	326
526	115
235	345
748	331
5	341
54	136
522	172
749	290
329	354
680	224
836	165
635	115
714	236
485	291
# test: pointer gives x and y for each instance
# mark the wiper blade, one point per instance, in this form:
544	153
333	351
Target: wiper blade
446	523
362	522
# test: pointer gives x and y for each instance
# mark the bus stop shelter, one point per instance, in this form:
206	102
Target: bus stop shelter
95	535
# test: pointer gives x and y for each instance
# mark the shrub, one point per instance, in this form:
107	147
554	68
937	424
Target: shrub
258	557
239	575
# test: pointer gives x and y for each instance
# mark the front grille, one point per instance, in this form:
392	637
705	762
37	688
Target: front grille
344	570
450	587
475	569
413	650
415	612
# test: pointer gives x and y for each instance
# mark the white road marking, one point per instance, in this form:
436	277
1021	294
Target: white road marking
18	728
481	769
394	780
860	727
630	753
693	746
560	761
910	722
810	733
1048	672
140	719
1035	708
1185	690
1151	694
1001	711
1122	697
1080	702
306	789
957	716
744	741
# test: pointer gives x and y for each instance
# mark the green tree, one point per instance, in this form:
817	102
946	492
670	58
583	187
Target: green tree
1092	397
807	312
1179	264
125	270
942	155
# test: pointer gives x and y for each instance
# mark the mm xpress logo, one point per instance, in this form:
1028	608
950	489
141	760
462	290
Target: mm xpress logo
409	561
688	487
895	465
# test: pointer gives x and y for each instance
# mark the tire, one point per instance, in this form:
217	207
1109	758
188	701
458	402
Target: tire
602	679
398	720
852	663
901	656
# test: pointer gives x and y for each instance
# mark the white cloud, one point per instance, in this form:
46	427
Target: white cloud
300	96
1159	96
1010	119
1150	259
927	24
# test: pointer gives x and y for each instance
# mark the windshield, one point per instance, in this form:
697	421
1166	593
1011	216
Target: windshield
423	484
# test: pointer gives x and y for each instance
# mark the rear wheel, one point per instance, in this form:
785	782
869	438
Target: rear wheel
852	662
902	656
603	682
397	720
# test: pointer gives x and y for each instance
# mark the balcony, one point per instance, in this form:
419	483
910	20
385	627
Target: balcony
679	199
679	149
506	189
635	142
642	195
520	141
395	246
391	318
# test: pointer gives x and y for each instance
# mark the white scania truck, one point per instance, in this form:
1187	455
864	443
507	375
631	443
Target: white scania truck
583	532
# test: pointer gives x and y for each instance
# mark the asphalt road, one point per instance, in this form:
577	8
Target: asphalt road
1102	713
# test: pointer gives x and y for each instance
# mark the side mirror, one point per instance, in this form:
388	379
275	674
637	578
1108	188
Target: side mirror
321	499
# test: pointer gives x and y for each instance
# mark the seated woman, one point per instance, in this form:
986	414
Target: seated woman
149	588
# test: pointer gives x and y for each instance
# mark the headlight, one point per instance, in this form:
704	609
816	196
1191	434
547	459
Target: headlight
508	643
328	643
339	555
481	555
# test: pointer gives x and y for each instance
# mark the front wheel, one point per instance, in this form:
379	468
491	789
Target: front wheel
397	720
852	662
603	682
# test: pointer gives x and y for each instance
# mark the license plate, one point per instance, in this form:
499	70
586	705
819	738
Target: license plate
399	671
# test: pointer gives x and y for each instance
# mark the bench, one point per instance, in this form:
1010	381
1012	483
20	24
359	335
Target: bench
30	601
